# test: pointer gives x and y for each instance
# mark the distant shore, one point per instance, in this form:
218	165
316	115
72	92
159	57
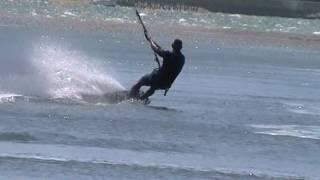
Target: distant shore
294	8
283	8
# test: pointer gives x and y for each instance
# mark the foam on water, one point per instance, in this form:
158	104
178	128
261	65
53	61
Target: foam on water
309	132
5	98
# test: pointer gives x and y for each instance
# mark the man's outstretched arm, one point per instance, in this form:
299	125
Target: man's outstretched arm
156	48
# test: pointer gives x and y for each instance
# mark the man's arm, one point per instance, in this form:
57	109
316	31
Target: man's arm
156	48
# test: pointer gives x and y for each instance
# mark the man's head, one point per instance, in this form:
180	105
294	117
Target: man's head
177	45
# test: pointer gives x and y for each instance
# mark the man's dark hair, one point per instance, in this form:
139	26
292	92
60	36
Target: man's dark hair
177	44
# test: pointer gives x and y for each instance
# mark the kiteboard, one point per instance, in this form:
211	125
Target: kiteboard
114	98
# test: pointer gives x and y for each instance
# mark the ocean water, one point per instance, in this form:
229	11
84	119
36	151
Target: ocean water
246	106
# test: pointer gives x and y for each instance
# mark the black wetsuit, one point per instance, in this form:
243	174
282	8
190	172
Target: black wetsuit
164	77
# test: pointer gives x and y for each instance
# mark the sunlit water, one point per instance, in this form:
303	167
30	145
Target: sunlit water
246	105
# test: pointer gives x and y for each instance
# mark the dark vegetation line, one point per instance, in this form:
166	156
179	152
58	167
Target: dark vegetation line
284	8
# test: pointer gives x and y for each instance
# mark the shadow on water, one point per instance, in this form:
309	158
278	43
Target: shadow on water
163	108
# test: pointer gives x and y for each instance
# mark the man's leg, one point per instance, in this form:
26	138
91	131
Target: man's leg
144	81
149	93
134	91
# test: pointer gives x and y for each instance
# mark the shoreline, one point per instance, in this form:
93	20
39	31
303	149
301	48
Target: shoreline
71	24
308	9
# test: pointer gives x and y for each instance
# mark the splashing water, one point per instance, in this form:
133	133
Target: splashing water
54	71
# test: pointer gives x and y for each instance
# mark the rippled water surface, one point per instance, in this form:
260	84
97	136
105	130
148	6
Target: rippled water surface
246	105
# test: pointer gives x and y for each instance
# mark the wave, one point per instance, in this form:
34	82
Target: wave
118	143
183	163
52	71
12	136
298	131
188	172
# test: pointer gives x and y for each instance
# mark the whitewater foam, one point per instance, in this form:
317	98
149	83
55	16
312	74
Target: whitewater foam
6	98
55	71
307	132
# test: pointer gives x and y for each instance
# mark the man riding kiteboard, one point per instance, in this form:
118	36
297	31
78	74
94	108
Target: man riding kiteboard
162	77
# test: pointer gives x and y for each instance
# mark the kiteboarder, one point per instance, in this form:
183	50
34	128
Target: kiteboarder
163	77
